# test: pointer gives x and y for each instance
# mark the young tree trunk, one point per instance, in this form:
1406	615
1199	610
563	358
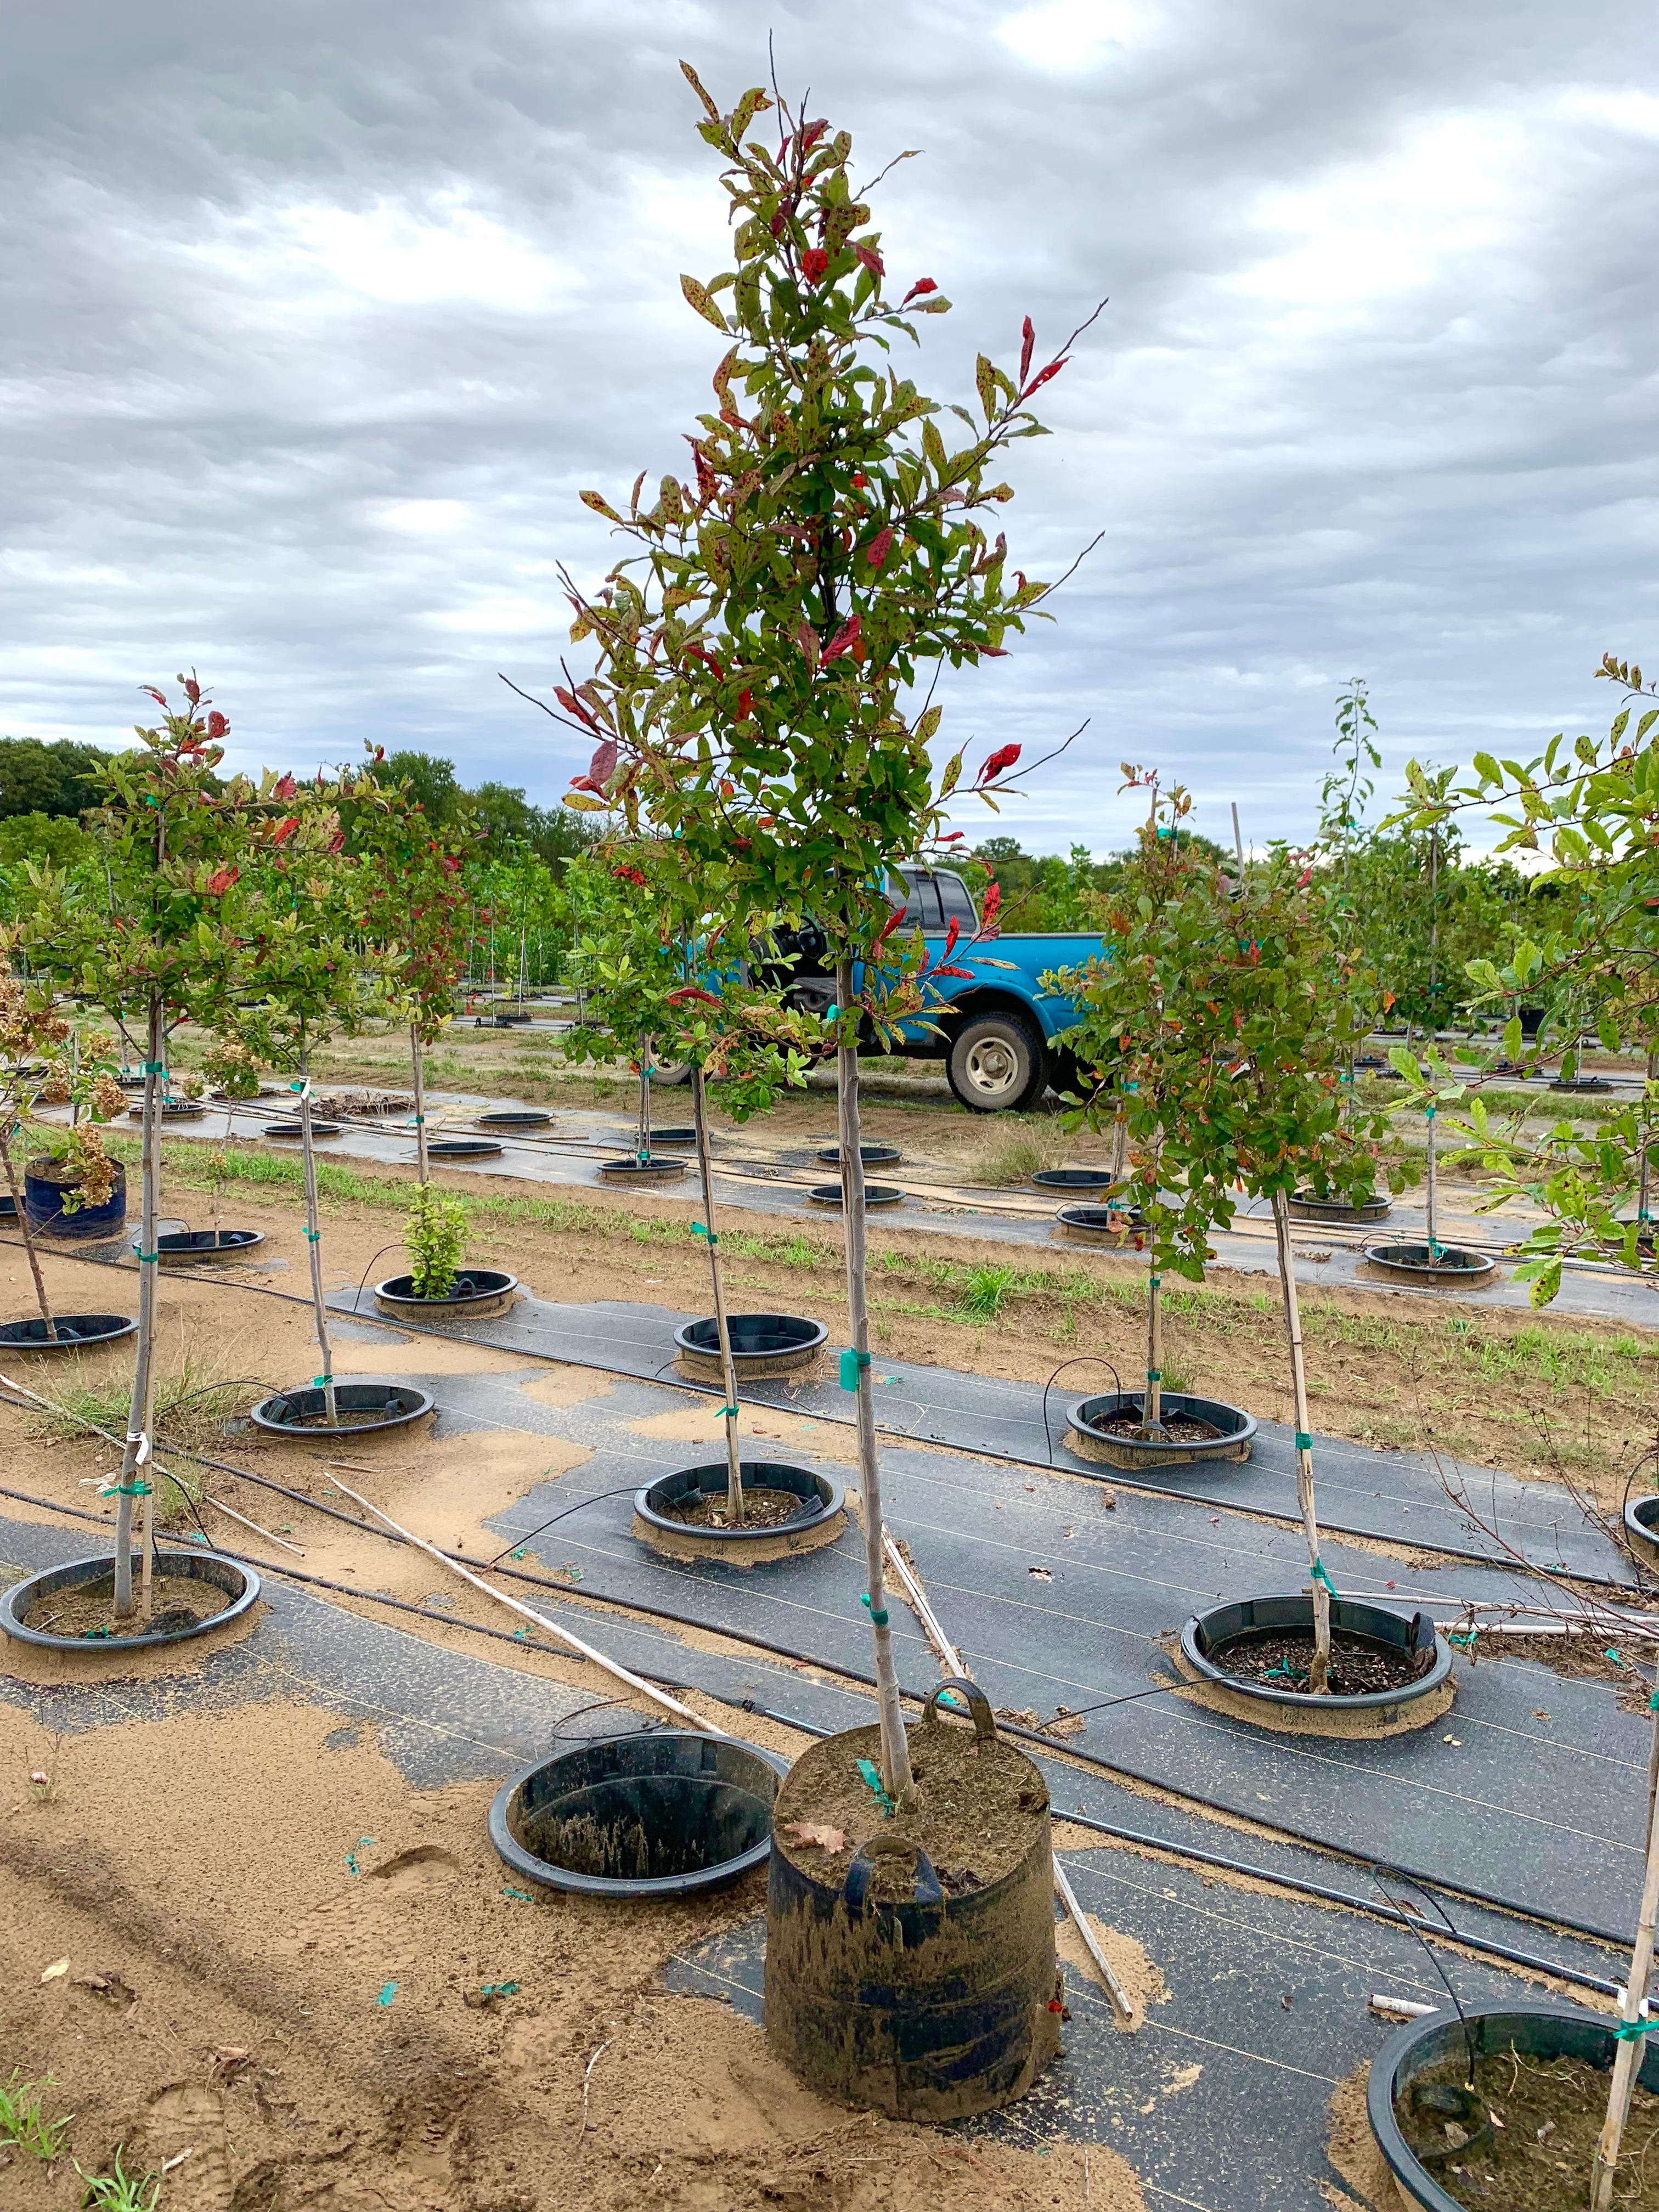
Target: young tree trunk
417	1061
895	1748
642	1129
314	1238
1152	1403
135	1458
1627	2058
728	1372
1431	1208
1319	1679
1646	1177
28	1236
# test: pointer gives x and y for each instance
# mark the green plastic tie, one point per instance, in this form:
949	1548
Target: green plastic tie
388	1990
498	1988
146	1259
871	1775
1303	1441
519	1896
853	1363
1428	1113
880	1618
1156	1281
1319	1576
314	1234
1629	2030
1464	1638
1154	1374
320	1382
152	1068
1653	1703
730	1411
698	1229
138	1489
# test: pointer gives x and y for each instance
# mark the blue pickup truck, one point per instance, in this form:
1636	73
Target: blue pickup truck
998	1031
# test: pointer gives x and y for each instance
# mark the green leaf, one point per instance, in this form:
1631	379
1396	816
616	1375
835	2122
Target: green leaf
698	296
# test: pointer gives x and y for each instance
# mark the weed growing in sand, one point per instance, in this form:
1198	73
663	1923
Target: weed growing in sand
120	2191
193	1404
22	2123
1019	1155
985	1291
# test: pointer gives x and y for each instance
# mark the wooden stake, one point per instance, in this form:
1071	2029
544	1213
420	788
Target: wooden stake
723	1334
314	1240
418	1059
895	1748
1319	1680
1079	1919
1627	2058
135	1452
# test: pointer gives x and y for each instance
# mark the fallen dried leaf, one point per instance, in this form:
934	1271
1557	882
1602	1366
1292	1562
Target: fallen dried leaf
58	1966
815	1832
229	2058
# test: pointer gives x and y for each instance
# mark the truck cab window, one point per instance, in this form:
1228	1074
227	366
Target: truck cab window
957	903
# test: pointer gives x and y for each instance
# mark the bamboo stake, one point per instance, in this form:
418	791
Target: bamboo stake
136	1450
1080	1920
147	1287
418	1060
612	1666
728	1371
895	1749
314	1240
950	1659
1632	2041
1152	1403
643	1127
1319	1678
21	1209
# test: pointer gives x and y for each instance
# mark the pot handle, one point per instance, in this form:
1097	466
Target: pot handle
978	1704
856	1888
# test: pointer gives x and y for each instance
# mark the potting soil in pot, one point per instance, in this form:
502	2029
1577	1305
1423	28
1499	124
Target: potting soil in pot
1358	1666
1562	2100
761	1508
977	1806
84	1610
1179	1428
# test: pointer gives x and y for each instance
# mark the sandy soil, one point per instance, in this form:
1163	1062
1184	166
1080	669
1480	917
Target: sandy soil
189	1954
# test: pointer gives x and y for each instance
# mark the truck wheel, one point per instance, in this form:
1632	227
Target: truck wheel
996	1065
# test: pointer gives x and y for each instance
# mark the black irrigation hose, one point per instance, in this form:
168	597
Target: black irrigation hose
1297	1883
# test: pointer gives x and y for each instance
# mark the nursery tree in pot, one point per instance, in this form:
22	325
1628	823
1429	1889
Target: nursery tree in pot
758	650
1219	1019
169	926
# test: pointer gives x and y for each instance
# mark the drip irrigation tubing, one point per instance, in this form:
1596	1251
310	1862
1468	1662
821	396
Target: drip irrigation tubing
1139	1838
224	1279
598	1599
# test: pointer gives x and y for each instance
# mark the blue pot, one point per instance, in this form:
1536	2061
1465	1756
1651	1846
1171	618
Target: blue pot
44	1187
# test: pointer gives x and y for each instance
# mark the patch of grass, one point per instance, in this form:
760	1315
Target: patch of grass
120	2191
1019	1155
985	1291
23	2121
191	1405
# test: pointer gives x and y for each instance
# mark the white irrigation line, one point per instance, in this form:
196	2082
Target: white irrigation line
951	1662
613	1667
218	1504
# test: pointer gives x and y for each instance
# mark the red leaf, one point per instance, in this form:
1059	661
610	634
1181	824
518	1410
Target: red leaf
285	829
745	705
192	691
993	906
692	991
811	133
813	262
1003	757
923	284
891	925
966	973
952	837
150	692
951	936
871	258
1043	375
217	724
572	705
603	766
844	638
285	788
879	548
1028	340
221	881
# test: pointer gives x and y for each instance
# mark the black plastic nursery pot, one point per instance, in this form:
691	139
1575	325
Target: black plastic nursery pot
875	1193
184	1245
1581	1083
1308	1206
642	1171
1641	1529
236	1586
1122	1226
763	1345
463	1148
171	1110
939	1998
678	1133
1364	1628
479	1292
1074	1179
369	1407
873	1156
296	1130
522	1117
819	1518
47	1182
662	1814
1451	1267
1529	2029
1092	1437
8	1206
76	1332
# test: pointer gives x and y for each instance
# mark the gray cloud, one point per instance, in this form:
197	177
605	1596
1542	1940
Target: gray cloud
319	317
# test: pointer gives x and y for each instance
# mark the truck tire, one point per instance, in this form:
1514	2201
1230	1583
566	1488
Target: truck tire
996	1065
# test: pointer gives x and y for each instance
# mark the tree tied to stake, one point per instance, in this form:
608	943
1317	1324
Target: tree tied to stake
756	653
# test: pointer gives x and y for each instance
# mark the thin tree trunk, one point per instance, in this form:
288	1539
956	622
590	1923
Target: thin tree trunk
728	1371
28	1237
148	1273
1642	1193
1431	1212
1627	2058
643	1127
314	1238
1319	1679
135	1458
416	1060
895	1748
1152	1403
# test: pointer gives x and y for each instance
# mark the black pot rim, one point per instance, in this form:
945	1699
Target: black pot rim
675	1133
272	1425
540	1871
1386	1255
1639	1525
830	1495
1338	1210
1128	1218
297	1129
462	1148
1074	1178
1422	2043
874	1155
1243	1430
812	1339
527	1117
176	1243
1342	1612
14	1603
875	1193
116	1327
649	1167
493	1282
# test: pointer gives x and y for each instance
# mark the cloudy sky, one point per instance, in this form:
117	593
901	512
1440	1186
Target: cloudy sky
319	314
